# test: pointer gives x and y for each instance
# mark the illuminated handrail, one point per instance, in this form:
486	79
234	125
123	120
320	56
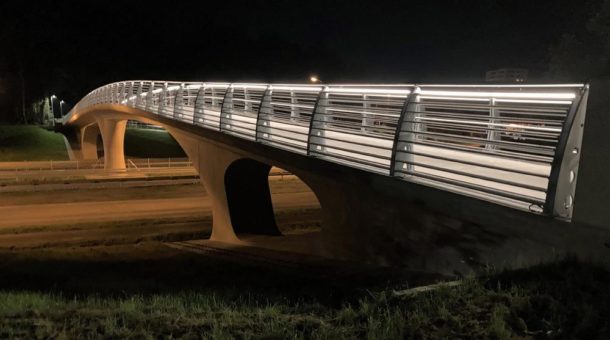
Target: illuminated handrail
516	145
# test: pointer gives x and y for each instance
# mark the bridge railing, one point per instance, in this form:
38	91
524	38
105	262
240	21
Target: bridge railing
516	145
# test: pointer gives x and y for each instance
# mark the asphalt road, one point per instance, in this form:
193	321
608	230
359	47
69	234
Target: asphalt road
85	212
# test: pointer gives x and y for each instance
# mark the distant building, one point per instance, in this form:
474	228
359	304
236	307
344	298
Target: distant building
506	75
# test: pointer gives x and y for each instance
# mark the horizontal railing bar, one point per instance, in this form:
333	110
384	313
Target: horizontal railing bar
272	141
502	193
379	166
357	123
487	107
279	135
483	165
462	128
238	132
298	121
482	151
326	128
270	128
477	176
524	146
334	147
353	142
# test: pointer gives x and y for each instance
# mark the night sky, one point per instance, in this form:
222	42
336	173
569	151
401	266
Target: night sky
69	48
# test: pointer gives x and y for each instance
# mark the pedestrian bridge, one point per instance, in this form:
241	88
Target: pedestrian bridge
462	150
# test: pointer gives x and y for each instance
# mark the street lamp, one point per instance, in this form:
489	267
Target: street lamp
52	110
314	79
61	111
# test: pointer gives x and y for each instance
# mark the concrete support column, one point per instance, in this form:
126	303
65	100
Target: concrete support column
237	188
113	135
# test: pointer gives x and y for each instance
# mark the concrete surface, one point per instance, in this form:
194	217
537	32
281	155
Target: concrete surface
122	210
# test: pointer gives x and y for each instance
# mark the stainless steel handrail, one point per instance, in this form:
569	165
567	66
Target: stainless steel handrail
508	144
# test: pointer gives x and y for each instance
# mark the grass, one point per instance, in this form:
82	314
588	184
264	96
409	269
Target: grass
143	289
30	143
566	299
147	143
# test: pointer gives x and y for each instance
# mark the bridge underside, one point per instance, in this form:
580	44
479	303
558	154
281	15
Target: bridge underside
366	217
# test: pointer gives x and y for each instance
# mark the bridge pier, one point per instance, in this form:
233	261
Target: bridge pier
113	136
238	188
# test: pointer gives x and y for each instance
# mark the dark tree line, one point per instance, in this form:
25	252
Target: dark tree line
584	53
70	48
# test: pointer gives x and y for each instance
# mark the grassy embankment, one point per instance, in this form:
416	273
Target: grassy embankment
32	143
146	143
151	291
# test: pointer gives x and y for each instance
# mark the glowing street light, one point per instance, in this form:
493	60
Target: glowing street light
61	111
52	110
314	79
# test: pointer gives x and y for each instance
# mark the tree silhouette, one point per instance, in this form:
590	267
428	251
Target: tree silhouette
585	54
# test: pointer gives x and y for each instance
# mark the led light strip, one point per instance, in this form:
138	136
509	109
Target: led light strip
520	95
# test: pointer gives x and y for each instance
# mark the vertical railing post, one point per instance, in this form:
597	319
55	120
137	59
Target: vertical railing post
128	93
124	94
561	188
133	91
106	94
115	93
247	104
149	97
493	134
120	88
365	116
198	110
265	111
179	102
112	94
120	92
316	126
138	101
128	90
162	96
406	119
226	108
294	111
